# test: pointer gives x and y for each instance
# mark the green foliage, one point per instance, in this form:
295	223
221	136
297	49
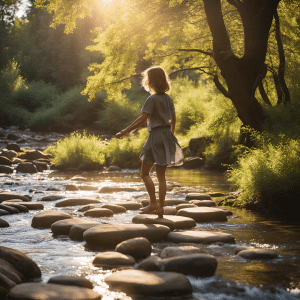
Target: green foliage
270	169
77	150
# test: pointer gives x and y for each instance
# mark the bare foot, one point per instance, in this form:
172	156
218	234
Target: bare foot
160	212
149	209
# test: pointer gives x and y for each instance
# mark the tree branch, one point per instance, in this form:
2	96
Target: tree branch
264	94
197	50
221	87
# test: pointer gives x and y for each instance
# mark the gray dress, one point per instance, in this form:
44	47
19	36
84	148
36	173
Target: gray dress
161	147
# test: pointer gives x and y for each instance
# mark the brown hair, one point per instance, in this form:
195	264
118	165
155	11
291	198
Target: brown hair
155	79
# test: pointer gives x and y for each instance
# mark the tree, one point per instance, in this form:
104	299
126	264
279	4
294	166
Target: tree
226	40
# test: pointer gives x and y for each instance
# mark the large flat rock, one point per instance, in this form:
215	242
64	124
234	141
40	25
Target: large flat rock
76	202
77	230
45	219
29	205
200	237
203	214
62	227
111	235
10	195
197	196
42	291
113	259
151	284
173	222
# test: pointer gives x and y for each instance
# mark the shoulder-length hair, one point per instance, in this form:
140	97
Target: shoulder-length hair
156	80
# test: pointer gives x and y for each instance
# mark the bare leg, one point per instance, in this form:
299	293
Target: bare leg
145	170
161	176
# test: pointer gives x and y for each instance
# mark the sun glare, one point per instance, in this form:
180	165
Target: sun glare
106	2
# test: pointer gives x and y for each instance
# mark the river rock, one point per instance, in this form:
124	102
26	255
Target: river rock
216	194
51	198
10	154
71	187
77	230
98	213
6	169
9	209
206	203
8	270
41	166
113	259
170	211
113	168
168	202
193	163
38	291
197	196
258	254
116	209
86	207
33	155
71	280
45	219
138	247
149	284
28	205
108	235
116	189
12	136
151	263
10	195
26	167
14	147
63	227
5	161
180	251
241	248
129	205
185	205
76	202
19	207
200	237
25	265
203	214
3	223
173	222
3	212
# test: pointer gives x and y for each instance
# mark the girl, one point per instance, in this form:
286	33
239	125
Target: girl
161	147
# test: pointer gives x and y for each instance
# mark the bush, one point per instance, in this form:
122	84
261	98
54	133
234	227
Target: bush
77	150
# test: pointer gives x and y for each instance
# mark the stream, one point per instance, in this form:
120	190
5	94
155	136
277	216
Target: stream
235	278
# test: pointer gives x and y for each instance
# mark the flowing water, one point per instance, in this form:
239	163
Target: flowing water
236	278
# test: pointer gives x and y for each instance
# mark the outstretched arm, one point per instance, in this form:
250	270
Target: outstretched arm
136	124
173	123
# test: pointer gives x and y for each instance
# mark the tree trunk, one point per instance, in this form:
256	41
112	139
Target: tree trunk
242	75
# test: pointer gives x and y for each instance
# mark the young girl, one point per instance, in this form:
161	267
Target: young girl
161	147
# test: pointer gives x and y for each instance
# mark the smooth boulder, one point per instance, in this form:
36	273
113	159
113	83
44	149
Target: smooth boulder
207	203
197	196
116	189
45	219
43	291
71	280
116	209
138	247
51	198
149	284
130	205
203	214
10	195
77	230
200	237
28	205
113	259
62	227
180	251
76	202
98	213
3	223
258	254
27	167
108	235
6	169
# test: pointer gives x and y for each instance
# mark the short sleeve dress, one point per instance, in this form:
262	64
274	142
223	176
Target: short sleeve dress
161	147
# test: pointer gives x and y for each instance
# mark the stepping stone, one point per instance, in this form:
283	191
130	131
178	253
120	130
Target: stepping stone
149	284
200	237
29	205
173	222
216	194
71	280
197	196
258	254
113	259
86	207
9	195
113	168
52	198
34	291
116	209
116	189
203	214
45	219
3	212
25	265
76	202
87	188
19	207
185	205
98	213
63	227
6	169
9	275
3	223
5	161
107	235
170	211
26	167
77	230
138	247
168	202
180	251
130	205
71	187
10	210
207	203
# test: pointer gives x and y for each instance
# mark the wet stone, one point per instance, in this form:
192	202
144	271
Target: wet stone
34	291
207	203
258	254
10	154
200	237
106	234
26	167
170	211
19	207
10	195
113	259
52	198
173	222
71	187
14	147
6	169
71	280
3	223
3	212
185	205
116	209
116	189
98	213
33	155
77	230
137	247
180	251
113	168
150	284
10	210
130	205
45	219
5	161
85	208
203	214
28	205
76	202
197	196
